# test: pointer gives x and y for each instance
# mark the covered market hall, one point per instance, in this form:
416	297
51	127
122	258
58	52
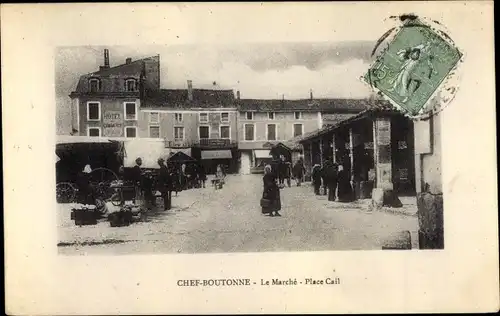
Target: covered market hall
376	147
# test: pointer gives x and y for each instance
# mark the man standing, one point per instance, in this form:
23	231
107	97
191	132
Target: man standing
282	170
164	184
137	179
331	179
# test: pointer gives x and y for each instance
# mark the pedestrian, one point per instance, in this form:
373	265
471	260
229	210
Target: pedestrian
164	184
136	177
219	176
182	177
202	175
175	176
282	170
316	178
147	187
271	198
331	179
324	176
86	193
298	171
345	192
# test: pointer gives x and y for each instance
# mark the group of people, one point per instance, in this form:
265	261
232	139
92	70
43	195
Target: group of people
170	178
334	180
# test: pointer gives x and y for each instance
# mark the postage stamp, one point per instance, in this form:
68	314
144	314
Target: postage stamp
413	66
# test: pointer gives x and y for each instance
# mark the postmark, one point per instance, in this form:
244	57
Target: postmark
413	70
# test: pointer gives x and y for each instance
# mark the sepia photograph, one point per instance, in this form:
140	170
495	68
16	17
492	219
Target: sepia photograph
249	158
238	148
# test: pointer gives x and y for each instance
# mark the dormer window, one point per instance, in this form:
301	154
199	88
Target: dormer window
94	85
130	85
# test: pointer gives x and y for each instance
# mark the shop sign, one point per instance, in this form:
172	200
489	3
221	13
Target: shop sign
384	132
113	124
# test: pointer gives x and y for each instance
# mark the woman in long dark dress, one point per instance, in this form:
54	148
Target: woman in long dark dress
345	192
271	193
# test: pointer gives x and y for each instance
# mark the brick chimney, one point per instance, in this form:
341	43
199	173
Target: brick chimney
311	94
238	94
106	58
128	61
190	90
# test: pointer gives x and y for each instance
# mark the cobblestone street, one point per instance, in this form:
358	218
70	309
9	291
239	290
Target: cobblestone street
229	220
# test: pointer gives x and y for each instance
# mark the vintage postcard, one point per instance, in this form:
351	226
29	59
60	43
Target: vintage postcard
235	158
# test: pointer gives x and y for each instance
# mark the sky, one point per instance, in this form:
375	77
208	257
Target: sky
258	71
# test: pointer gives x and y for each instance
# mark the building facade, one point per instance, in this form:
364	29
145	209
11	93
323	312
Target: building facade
106	103
264	123
200	122
210	125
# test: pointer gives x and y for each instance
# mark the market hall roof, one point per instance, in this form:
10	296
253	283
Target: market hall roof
305	105
179	98
380	107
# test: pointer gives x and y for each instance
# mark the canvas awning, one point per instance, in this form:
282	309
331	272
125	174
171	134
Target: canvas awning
180	157
148	150
186	151
69	139
262	153
216	154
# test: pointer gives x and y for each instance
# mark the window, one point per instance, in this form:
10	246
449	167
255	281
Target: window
204	132
298	115
130	111
225	132
178	117
224	117
94	131
297	130
94	85
130	85
249	115
249	132
130	131
271	132
203	117
178	133
270	115
154	117
93	111
154	131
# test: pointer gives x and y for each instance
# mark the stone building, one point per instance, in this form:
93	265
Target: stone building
202	123
263	124
106	102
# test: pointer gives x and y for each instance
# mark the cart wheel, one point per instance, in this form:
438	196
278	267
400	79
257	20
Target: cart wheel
65	192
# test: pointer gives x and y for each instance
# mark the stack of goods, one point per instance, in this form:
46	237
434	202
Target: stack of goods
84	214
125	215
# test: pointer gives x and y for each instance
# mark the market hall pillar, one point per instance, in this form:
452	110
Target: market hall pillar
383	193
